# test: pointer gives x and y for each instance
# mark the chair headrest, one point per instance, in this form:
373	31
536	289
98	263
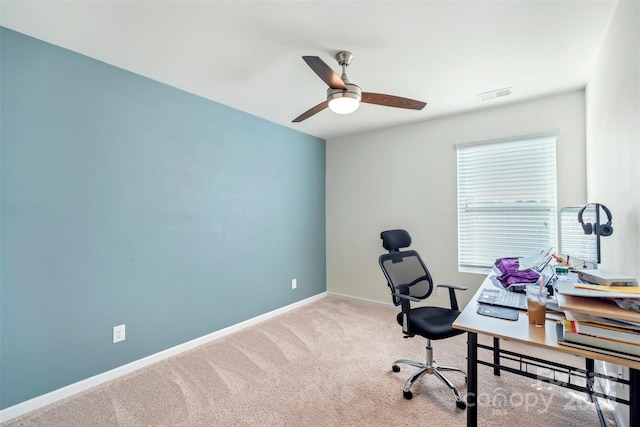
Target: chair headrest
392	240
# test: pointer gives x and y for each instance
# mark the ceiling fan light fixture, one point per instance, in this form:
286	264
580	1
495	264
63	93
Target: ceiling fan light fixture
344	105
344	101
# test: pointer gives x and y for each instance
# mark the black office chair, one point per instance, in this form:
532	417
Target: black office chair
410	281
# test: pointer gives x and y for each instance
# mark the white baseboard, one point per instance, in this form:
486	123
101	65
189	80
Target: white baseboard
80	386
364	300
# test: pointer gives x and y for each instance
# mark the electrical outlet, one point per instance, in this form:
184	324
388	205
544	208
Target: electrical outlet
118	333
436	291
294	283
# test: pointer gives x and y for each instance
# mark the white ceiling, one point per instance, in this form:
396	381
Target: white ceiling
247	54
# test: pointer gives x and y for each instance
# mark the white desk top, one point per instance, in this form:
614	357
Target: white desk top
521	331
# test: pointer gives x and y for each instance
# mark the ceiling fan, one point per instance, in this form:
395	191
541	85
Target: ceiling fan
344	97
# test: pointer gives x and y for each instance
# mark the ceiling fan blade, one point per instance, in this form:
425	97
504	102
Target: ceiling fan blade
325	72
392	101
310	112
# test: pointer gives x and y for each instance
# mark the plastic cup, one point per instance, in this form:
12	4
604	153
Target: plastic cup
536	305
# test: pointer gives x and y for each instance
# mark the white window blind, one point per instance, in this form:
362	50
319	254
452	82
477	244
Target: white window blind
507	199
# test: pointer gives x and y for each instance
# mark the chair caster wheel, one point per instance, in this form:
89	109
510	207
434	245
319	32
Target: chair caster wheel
461	405
395	368
407	395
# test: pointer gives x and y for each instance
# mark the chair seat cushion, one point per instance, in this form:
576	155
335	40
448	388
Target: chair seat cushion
432	322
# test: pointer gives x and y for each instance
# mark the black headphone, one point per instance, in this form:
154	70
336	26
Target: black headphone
603	230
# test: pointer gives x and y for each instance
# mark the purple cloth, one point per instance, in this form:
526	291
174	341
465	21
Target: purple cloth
511	274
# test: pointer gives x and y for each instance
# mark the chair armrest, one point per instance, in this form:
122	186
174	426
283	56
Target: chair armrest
457	287
406	297
452	294
406	308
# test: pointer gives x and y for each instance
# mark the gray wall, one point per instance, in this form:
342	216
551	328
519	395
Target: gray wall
613	152
128	201
613	138
406	177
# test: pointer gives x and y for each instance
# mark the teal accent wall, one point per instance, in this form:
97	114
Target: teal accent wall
128	201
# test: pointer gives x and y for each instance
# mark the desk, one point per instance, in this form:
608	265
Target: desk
520	331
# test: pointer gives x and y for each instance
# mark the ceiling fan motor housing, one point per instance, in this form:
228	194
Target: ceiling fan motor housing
352	91
344	101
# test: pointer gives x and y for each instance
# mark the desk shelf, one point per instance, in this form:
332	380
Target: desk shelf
563	375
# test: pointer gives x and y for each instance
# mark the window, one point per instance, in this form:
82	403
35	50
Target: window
573	241
506	199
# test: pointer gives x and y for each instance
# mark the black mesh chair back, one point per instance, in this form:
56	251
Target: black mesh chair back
407	275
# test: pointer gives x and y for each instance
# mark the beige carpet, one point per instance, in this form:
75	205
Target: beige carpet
325	364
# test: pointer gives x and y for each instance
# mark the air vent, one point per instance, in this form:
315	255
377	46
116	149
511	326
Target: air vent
493	94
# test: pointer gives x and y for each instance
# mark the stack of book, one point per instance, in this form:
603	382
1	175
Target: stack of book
604	335
594	318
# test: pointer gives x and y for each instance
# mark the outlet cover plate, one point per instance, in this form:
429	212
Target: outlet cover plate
118	333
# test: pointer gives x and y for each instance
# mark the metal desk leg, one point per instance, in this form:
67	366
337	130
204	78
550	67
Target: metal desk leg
496	356
634	397
590	368
472	384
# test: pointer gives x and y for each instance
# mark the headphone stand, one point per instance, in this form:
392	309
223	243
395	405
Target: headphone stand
598	234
